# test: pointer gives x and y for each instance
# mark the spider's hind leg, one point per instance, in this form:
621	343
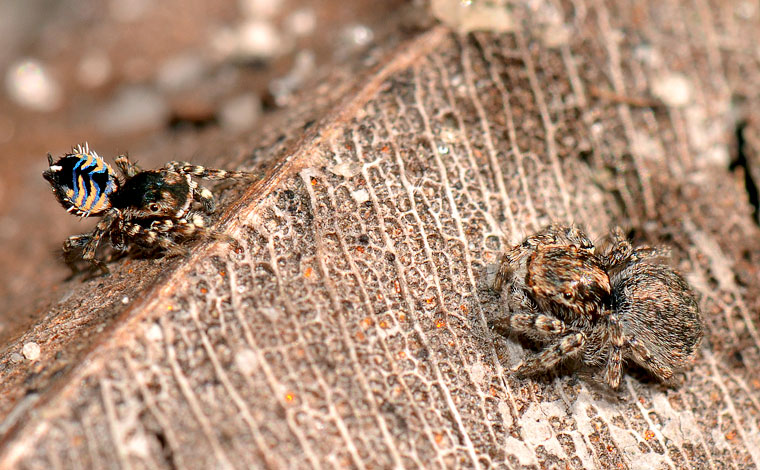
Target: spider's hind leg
88	243
126	166
620	250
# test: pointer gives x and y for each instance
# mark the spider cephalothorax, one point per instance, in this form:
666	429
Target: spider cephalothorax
598	307
146	208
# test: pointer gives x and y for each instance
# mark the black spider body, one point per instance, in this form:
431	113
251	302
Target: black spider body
155	193
144	208
599	307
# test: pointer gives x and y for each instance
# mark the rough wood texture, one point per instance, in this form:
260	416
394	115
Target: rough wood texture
348	328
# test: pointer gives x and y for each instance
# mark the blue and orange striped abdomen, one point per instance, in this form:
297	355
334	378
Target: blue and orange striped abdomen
82	181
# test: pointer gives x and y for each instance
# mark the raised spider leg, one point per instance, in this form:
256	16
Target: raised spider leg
199	171
620	250
126	166
566	347
523	317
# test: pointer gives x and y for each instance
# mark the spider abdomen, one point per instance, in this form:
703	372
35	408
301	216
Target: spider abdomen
82	181
659	315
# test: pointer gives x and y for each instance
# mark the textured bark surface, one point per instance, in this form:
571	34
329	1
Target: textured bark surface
348	326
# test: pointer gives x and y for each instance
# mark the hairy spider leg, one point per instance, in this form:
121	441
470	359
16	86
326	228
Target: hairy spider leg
566	347
126	166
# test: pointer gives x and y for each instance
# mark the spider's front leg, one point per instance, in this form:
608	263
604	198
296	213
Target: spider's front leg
568	346
199	171
157	235
162	233
201	194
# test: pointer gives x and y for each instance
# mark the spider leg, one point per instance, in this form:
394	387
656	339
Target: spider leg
565	347
532	324
641	355
620	250
126	166
71	247
156	235
162	232
613	371
89	242
650	252
208	173
204	196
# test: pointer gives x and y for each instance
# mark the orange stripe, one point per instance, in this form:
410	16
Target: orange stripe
91	197
100	205
81	194
99	166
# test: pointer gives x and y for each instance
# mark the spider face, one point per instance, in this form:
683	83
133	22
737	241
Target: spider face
570	278
598	307
146	209
155	194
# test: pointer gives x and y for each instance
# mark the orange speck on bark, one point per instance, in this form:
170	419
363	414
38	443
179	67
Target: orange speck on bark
308	272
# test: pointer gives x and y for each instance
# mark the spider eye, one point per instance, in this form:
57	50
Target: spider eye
568	295
153	207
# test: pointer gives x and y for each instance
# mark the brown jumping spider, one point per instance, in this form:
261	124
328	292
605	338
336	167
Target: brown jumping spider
599	307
